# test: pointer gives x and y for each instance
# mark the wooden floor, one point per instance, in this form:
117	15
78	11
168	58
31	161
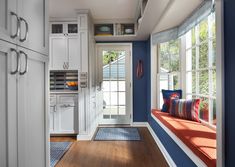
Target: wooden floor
144	153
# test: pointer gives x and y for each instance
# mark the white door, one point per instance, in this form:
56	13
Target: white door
73	53
32	112
115	73
8	20
33	13
58	53
8	104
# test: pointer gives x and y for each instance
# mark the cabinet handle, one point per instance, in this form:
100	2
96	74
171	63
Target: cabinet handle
67	65
64	65
26	31
26	62
17	61
17	25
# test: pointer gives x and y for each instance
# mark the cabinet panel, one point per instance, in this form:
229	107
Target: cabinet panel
73	53
3	109
66	119
8	22
52	113
58	53
32	114
33	11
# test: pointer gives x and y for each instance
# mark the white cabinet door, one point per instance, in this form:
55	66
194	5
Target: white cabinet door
65	116
58	53
34	13
73	53
52	113
8	20
3	109
8	105
32	113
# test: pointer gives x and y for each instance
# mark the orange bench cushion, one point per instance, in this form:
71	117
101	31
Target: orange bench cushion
198	137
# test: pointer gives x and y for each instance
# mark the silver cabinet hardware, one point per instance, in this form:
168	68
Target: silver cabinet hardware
67	65
17	61
17	33
26	62
64	65
26	30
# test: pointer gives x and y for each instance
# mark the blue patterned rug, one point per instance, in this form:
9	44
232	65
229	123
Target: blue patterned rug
57	150
117	134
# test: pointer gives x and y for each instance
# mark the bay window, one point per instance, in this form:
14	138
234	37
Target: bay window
198	70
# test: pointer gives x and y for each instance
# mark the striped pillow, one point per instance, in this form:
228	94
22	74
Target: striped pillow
185	109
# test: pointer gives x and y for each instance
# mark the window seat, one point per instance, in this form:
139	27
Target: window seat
200	139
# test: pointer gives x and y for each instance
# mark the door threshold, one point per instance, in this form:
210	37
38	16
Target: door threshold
114	125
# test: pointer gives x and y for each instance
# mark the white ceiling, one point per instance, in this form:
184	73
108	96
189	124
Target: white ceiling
177	11
159	14
100	9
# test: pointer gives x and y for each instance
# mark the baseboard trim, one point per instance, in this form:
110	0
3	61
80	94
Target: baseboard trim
166	155
87	137
139	124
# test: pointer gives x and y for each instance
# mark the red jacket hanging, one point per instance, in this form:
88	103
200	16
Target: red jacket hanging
139	69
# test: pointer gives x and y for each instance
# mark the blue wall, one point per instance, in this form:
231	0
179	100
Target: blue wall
229	49
140	51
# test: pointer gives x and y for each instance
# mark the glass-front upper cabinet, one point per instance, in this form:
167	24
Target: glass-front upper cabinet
63	28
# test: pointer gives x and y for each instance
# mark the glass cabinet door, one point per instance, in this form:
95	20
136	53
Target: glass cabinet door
72	28
57	28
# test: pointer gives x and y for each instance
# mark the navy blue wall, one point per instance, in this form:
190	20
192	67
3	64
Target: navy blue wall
140	49
229	48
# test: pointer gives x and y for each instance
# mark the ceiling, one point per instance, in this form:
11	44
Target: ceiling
100	9
159	14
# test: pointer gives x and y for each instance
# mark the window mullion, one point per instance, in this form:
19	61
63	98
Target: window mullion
197	57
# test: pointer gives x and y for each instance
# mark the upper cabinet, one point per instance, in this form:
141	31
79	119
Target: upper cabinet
24	22
64	44
63	28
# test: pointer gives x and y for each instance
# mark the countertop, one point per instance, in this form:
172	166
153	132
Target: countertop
64	92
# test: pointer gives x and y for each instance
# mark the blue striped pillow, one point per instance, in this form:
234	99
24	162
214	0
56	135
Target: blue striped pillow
185	109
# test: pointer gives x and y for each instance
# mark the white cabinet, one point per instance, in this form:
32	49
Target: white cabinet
23	22
63	114
24	108
64	53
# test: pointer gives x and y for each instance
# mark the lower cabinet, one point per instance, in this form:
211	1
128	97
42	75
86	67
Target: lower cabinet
63	114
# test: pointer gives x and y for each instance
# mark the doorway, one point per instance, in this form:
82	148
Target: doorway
115	76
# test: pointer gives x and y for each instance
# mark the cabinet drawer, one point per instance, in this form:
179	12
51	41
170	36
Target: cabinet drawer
52	100
67	99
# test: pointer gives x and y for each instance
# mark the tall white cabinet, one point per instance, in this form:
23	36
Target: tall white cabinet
23	84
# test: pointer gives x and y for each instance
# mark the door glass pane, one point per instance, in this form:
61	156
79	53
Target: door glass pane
57	28
72	28
114	83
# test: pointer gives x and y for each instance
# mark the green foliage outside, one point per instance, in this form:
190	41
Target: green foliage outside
110	56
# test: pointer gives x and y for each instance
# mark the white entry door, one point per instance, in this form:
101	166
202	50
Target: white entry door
115	73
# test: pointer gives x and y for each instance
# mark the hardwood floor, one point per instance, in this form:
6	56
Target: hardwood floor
144	153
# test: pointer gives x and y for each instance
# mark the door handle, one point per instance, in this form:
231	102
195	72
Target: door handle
17	61
17	33
26	62
26	31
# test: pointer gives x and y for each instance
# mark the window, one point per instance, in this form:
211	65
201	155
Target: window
201	67
169	67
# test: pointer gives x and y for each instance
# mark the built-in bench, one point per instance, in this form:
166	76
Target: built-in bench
195	139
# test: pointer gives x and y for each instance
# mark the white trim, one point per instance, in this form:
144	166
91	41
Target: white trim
166	155
87	137
220	104
188	151
139	124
